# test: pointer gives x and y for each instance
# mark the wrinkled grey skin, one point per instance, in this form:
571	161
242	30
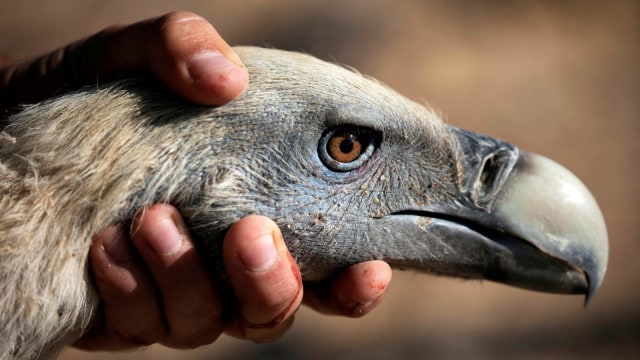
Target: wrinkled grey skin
427	196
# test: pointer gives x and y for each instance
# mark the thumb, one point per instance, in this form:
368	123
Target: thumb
190	57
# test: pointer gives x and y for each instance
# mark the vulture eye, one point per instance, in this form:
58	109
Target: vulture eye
346	148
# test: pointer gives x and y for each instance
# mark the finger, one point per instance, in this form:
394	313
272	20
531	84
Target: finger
132	316
265	279
182	49
192	307
354	292
190	57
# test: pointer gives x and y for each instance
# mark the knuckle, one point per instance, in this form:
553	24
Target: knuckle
174	22
140	337
271	310
177	35
196	337
194	326
177	17
266	334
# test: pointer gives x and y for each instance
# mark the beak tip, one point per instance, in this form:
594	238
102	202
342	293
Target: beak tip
562	218
594	277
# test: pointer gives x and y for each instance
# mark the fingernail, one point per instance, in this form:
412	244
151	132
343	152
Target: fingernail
207	63
362	308
164	238
260	255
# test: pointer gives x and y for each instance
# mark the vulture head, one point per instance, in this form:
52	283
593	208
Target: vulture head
349	169
352	171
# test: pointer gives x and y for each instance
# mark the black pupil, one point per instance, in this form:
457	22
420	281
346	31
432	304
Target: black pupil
346	146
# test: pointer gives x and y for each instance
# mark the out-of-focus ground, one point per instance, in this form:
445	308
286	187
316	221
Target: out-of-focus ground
558	78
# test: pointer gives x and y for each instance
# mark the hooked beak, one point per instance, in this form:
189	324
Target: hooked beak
520	219
547	206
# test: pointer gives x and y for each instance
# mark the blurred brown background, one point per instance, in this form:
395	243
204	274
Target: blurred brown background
560	78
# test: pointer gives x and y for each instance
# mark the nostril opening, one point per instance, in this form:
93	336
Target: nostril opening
489	172
489	181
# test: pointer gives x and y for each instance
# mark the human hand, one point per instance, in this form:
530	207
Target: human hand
154	287
180	49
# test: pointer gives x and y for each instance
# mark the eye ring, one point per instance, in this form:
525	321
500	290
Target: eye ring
347	148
